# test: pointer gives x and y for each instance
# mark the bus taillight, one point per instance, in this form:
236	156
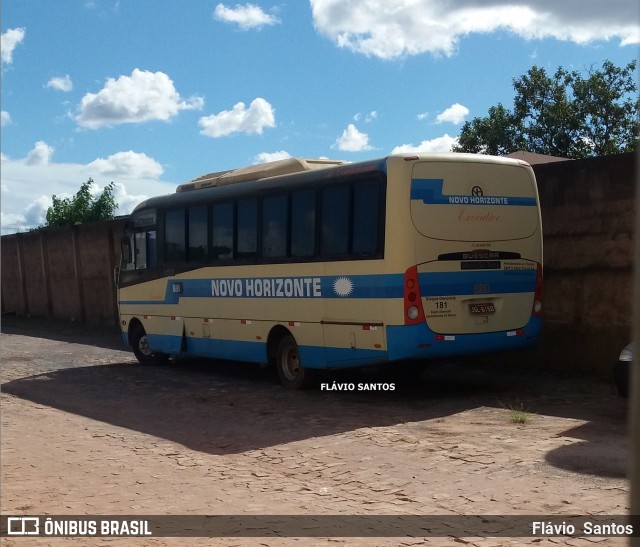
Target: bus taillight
537	298
413	312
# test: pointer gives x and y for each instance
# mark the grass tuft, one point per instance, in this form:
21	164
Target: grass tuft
518	413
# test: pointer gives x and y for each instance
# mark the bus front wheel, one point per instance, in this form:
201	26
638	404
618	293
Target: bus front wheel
144	354
290	371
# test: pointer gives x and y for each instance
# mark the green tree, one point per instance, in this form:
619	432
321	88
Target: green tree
565	114
82	207
496	134
608	103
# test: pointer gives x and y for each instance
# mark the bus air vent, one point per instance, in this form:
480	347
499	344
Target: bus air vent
256	172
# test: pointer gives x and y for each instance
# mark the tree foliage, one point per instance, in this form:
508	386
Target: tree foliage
83	207
565	114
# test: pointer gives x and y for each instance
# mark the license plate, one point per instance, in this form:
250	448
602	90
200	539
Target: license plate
482	309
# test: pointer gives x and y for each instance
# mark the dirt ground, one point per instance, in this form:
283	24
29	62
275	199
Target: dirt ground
86	431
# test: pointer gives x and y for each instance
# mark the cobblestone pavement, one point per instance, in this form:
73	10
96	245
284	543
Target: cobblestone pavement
87	431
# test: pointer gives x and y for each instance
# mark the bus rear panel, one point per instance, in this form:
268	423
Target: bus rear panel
477	282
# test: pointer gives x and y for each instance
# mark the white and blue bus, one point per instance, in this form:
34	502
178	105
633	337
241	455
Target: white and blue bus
317	264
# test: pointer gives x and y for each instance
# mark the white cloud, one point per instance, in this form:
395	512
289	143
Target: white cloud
439	144
8	42
456	114
394	28
24	180
141	97
36	213
29	217
61	83
5	118
40	154
127	164
352	140
371	116
265	157
126	201
246	16
240	119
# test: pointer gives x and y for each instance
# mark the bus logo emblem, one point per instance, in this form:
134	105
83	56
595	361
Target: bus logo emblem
477	191
343	286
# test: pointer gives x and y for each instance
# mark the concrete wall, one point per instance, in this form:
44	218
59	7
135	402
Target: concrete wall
588	224
65	272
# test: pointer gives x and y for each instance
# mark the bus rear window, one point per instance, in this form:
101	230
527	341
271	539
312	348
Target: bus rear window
463	201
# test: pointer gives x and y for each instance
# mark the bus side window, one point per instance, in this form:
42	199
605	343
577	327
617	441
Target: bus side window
247	228
146	253
174	236
128	251
222	232
274	227
197	233
152	249
303	223
335	220
366	217
141	251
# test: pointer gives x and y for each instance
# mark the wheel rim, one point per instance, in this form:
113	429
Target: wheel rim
290	363
143	346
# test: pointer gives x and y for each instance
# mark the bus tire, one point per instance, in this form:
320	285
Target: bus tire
144	355
290	371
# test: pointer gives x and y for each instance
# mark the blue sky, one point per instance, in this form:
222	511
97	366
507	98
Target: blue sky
152	93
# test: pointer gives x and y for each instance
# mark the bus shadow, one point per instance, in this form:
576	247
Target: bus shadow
222	408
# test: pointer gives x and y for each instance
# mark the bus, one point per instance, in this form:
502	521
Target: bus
320	264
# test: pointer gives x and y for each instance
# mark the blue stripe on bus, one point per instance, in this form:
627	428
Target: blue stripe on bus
253	352
165	343
403	342
429	191
418	341
338	286
362	286
317	357
477	282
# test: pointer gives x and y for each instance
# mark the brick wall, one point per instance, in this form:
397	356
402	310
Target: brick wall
65	272
588	223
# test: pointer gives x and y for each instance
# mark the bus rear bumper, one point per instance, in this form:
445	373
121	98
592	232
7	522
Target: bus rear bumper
418	341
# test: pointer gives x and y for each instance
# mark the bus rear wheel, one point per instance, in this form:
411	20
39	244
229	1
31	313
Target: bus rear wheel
142	351
290	370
